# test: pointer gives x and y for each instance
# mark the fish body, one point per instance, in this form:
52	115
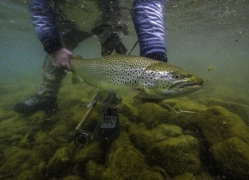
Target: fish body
136	76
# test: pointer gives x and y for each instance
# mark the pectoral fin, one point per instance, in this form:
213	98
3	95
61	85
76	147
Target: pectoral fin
76	79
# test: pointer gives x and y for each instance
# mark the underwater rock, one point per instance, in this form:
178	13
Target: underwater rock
38	118
130	111
239	109
143	138
59	132
94	170
184	104
164	131
189	176
14	125
232	158
219	124
17	160
43	138
126	162
140	136
153	114
59	163
28	175
92	152
123	161
15	139
36	173
125	124
176	155
72	177
24	143
228	139
185	176
45	145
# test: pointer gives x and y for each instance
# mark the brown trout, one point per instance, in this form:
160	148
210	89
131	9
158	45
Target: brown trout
135	76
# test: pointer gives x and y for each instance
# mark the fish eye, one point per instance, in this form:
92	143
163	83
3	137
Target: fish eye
177	76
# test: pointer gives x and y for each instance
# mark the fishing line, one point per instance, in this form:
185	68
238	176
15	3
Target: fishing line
133	48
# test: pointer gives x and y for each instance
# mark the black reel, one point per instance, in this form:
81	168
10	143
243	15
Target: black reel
82	139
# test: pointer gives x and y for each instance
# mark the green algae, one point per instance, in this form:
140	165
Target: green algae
177	155
231	153
155	142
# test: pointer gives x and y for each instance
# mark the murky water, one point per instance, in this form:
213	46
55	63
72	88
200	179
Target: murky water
209	38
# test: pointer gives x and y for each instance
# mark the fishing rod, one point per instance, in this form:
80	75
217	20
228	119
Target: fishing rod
83	138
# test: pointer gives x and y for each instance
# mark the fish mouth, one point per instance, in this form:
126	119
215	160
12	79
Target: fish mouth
192	85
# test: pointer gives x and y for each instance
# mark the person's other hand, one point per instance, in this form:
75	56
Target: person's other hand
60	58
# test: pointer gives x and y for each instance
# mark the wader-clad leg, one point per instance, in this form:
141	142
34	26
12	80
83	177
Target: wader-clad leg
46	97
52	78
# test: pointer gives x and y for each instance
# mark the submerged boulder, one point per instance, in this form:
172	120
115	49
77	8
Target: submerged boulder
219	124
153	114
176	155
242	109
59	163
126	162
228	138
143	138
17	160
232	157
93	152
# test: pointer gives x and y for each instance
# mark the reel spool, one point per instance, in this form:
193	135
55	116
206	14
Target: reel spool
82	139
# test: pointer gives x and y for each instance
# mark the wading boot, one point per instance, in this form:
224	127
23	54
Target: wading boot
109	126
37	103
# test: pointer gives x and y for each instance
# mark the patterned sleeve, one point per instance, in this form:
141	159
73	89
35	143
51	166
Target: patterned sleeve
148	20
43	20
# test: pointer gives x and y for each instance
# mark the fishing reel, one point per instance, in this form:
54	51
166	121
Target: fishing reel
81	139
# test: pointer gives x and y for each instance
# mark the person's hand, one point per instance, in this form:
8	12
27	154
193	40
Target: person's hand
60	58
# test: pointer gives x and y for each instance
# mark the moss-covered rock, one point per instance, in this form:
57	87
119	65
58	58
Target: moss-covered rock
185	176
58	164
153	114
164	131
228	139
59	132
140	136
93	152
219	124
15	125
38	118
189	176
94	170
183	103
143	138
43	138
240	109
177	155
37	172
72	177
232	158
130	111
16	160
126	162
